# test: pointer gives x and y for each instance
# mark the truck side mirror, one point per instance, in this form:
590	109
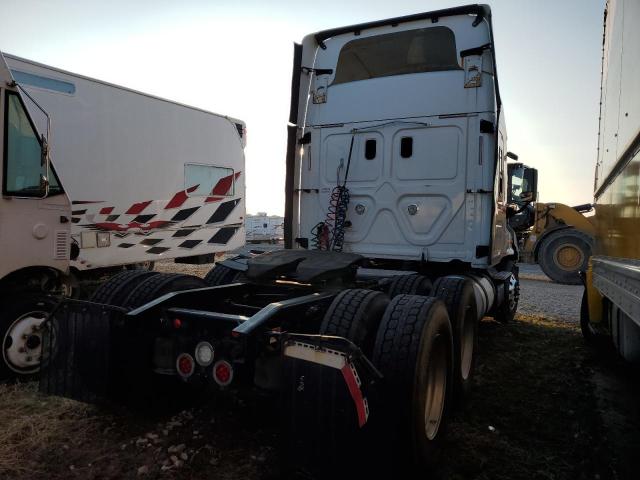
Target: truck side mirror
44	185
512	156
44	162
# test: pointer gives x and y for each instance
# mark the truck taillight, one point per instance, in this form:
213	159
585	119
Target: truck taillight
185	365
222	373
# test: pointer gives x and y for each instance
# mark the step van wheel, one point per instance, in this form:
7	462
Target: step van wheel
409	285
21	332
159	285
458	296
414	352
563	254
222	275
115	290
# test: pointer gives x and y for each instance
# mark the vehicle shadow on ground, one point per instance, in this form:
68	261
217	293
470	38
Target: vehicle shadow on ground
535	412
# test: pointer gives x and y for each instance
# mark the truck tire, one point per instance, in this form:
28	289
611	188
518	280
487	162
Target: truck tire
409	285
414	352
222	275
506	312
563	254
458	296
20	331
355	314
116	290
159	285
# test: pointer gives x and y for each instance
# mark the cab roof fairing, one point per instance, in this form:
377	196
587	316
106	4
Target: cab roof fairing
312	41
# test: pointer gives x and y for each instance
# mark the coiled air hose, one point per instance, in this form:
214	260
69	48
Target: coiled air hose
329	234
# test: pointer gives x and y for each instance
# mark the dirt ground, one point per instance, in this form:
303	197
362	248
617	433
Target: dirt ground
544	406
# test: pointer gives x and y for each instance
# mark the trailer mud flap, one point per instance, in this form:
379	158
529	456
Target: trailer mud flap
327	391
77	351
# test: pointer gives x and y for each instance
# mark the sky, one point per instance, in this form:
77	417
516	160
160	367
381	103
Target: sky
235	58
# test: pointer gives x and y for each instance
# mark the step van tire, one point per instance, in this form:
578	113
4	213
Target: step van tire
414	353
116	290
23	315
458	295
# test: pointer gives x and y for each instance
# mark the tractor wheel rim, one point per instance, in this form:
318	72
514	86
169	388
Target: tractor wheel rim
569	257
436	387
468	341
22	343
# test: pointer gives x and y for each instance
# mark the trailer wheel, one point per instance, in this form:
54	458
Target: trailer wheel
564	254
414	352
161	284
21	325
409	285
116	290
355	315
222	275
458	296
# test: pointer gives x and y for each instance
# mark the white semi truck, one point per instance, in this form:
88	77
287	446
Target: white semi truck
94	176
397	244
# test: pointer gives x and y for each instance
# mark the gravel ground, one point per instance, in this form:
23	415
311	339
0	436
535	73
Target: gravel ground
540	296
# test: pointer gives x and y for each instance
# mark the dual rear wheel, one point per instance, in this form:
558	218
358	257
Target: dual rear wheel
423	346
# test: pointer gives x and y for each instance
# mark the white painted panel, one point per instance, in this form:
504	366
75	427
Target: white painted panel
435	153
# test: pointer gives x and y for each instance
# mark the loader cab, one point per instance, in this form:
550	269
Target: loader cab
523	193
523	183
400	147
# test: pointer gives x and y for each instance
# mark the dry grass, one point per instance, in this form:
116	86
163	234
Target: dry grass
33	426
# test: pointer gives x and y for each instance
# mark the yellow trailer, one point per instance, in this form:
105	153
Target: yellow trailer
611	303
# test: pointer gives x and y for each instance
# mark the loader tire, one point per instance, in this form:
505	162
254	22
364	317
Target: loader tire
159	285
222	275
414	353
116	290
458	296
355	314
409	285
563	254
21	329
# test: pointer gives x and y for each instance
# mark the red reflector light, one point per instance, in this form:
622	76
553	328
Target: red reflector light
177	323
222	373
185	365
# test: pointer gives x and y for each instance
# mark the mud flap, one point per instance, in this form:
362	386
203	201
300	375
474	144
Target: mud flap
91	353
327	388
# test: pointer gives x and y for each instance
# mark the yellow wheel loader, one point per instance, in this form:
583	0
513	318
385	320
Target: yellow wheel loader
556	236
